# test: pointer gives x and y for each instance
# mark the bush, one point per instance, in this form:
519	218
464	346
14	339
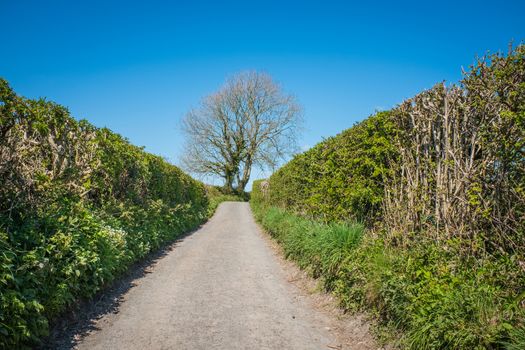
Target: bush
341	178
439	183
461	166
78	205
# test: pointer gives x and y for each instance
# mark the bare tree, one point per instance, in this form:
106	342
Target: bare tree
249	121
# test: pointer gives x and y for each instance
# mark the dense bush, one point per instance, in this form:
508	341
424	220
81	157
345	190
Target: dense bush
341	178
461	168
446	163
78	205
439	182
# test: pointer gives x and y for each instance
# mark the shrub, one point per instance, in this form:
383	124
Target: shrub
341	178
439	183
461	166
78	205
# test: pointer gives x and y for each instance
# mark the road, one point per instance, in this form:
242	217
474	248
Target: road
221	287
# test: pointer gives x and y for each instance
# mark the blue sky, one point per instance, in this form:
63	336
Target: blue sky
138	67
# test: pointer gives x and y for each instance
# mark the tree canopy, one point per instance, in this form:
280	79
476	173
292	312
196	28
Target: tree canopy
249	121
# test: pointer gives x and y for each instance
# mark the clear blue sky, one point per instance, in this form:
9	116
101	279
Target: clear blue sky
138	67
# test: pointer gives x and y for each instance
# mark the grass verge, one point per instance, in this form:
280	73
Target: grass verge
424	297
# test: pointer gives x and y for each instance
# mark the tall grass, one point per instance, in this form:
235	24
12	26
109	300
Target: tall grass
319	248
424	297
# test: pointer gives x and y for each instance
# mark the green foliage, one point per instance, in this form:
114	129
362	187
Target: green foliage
440	301
318	247
341	178
78	205
439	183
517	336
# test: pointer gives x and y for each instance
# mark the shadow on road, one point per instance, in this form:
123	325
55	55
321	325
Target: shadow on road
67	331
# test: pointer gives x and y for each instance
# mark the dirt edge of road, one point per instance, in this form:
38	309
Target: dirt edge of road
352	330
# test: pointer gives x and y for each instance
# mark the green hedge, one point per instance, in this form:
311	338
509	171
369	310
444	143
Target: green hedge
78	205
340	178
439	183
446	164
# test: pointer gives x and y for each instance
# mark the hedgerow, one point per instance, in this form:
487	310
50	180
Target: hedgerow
78	205
439	183
340	178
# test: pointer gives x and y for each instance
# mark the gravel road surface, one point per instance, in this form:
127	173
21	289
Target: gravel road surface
221	287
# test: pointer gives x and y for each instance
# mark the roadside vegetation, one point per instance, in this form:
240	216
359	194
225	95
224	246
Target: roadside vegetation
78	206
417	214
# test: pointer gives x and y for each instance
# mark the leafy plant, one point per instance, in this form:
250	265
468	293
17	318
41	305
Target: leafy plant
439	183
78	205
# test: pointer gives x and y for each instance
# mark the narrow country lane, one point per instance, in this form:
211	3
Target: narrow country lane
219	288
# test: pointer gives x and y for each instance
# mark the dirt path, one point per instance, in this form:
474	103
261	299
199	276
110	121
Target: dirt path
220	288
